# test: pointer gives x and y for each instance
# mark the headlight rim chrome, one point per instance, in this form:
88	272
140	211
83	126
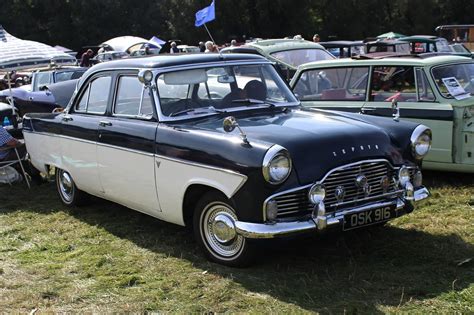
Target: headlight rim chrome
275	151
420	131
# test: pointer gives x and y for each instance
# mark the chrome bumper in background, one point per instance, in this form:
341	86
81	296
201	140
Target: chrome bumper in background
319	222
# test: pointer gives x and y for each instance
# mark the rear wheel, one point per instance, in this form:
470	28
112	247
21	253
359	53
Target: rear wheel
68	192
214	229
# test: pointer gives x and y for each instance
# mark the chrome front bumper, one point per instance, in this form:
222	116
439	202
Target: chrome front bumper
320	222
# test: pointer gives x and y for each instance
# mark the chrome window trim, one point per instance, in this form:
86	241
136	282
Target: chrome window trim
322	180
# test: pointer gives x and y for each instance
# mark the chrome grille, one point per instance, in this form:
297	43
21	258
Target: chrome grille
346	177
295	203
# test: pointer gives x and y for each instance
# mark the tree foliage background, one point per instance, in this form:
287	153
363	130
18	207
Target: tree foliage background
77	23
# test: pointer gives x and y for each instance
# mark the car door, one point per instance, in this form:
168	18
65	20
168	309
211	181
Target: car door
342	88
80	133
126	146
411	89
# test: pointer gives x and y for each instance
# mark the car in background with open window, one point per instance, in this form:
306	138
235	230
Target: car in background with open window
436	91
287	54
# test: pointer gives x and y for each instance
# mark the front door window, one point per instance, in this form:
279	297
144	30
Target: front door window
393	83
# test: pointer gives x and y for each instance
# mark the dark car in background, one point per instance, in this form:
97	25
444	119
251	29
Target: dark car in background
37	97
344	48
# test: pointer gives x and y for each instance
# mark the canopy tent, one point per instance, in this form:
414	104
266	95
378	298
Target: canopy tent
16	54
390	35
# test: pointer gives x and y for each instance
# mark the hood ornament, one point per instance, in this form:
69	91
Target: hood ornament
229	124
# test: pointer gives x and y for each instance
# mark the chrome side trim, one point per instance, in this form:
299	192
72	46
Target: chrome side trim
147	154
201	165
92	142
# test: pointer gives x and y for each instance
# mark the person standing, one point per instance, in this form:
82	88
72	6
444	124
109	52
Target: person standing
174	49
86	58
316	38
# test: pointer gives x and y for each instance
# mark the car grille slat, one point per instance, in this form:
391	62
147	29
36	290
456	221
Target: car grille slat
296	202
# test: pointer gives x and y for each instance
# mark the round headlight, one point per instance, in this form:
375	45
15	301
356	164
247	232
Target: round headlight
276	165
421	141
316	194
403	176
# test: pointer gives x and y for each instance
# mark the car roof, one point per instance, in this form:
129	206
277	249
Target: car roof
341	43
170	60
421	38
273	45
413	60
385	42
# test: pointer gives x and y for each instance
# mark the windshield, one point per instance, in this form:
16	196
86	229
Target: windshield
69	75
297	57
463	73
216	89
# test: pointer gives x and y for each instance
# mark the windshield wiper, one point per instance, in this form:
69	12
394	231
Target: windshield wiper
200	110
253	102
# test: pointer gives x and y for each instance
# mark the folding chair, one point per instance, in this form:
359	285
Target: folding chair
5	163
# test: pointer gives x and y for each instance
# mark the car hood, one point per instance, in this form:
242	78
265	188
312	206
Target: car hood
317	140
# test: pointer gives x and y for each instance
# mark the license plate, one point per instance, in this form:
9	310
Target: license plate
368	217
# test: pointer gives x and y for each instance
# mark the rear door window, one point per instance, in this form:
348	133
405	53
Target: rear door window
96	96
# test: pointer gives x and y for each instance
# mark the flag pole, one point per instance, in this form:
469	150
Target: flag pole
205	26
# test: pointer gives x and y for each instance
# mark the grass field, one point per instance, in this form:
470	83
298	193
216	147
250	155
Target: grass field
106	258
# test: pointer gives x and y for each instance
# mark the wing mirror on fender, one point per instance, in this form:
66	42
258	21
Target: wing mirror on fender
229	124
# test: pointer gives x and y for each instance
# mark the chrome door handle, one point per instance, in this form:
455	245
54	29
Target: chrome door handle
67	118
104	123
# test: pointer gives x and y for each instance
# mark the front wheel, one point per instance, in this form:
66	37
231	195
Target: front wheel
214	229
68	192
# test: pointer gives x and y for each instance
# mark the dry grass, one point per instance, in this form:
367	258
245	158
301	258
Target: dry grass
106	258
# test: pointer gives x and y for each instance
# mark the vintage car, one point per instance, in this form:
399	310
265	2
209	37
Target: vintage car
36	98
288	54
108	56
387	45
428	43
344	48
158	135
417	83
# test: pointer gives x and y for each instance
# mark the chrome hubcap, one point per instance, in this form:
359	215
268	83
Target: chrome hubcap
218	223
66	185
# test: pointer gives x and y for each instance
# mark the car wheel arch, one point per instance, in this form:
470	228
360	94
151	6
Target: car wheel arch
192	194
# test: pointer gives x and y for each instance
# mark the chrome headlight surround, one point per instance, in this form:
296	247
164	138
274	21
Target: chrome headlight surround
276	166
420	142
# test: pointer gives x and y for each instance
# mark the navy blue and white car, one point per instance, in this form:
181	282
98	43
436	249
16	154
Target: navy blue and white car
219	143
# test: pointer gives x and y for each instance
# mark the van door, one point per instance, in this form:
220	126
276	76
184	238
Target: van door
410	87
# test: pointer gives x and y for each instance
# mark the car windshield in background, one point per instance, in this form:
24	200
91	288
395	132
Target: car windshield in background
463	73
69	75
297	57
341	84
216	89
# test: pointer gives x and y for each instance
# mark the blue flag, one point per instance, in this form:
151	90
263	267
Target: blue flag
205	15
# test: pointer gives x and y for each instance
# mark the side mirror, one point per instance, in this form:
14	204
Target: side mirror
229	124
